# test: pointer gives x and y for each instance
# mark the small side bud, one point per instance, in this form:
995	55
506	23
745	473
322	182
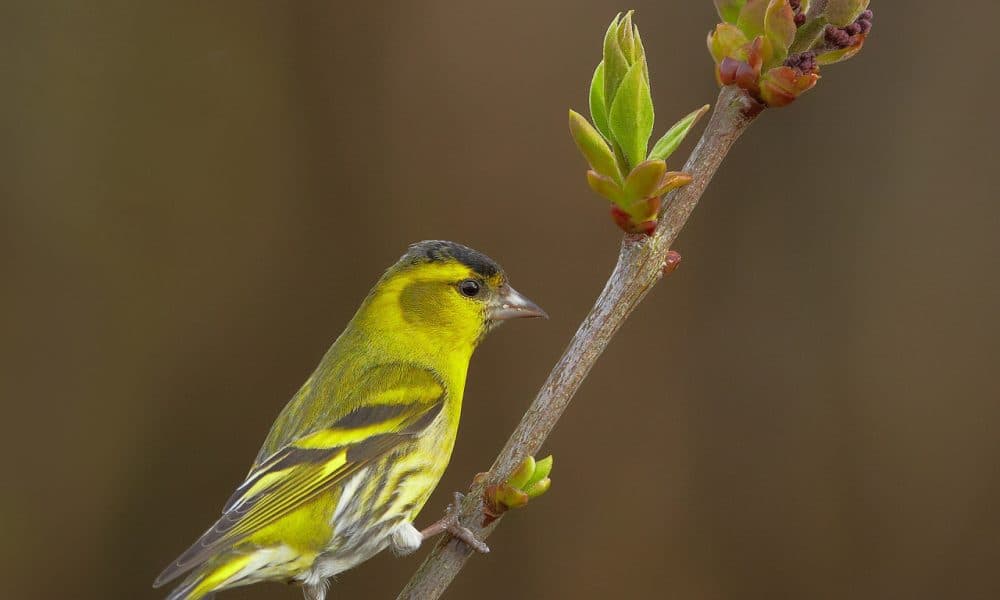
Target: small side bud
530	480
671	263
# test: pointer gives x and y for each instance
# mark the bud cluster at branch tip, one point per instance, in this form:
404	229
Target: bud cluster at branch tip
530	480
616	146
773	49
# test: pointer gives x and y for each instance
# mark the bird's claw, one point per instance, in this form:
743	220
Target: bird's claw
454	526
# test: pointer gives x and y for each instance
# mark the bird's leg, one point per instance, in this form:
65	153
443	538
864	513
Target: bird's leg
450	523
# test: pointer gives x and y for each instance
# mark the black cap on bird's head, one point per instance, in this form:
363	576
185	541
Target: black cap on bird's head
506	303
441	250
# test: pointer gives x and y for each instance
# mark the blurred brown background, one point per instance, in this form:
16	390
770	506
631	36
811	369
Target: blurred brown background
195	196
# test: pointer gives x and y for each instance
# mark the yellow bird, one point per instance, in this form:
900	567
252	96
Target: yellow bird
356	453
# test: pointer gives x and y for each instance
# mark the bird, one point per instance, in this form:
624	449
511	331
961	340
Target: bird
355	454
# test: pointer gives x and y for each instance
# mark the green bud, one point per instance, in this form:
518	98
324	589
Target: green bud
626	38
522	474
620	101
631	115
844	12
621	108
593	147
666	145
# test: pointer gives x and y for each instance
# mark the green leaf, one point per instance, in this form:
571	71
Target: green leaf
643	180
751	19
729	10
844	12
725	41
809	35
675	135
671	181
593	147
598	108
615	65
631	115
626	38
779	27
836	56
640	55
605	186
522	474
538	488
542	469
510	496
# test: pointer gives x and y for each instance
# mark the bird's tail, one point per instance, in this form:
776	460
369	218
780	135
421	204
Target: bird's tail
222	572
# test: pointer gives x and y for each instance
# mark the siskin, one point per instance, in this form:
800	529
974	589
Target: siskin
358	450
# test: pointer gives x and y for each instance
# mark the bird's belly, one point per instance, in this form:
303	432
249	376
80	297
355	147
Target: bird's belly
379	497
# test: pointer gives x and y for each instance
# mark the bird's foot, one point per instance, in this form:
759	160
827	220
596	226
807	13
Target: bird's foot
450	523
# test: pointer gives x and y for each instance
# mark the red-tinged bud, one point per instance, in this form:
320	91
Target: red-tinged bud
782	85
621	218
797	34
646	228
740	73
671	263
727	70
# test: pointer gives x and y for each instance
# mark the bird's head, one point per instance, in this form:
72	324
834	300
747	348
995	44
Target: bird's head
448	293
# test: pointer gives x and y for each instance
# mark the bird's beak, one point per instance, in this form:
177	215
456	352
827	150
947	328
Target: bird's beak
510	304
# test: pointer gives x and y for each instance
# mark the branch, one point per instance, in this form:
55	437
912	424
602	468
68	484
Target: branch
640	265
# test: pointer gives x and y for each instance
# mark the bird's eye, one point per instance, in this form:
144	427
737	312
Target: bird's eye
469	288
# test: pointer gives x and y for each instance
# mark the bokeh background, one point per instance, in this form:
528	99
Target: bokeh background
194	196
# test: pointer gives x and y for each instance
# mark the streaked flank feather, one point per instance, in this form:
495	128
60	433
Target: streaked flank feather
356	453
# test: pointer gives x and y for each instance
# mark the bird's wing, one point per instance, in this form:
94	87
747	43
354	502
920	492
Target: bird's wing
301	470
